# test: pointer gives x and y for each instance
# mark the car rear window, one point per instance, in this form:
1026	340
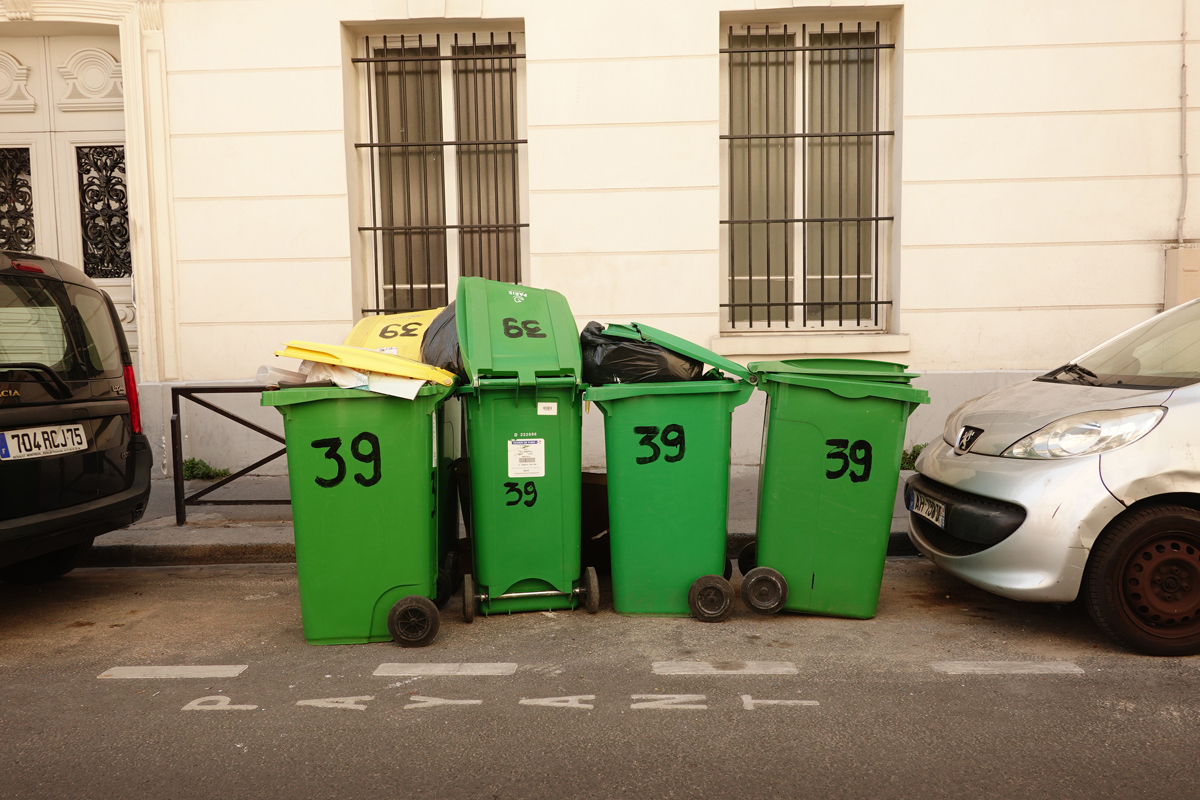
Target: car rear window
100	337
33	326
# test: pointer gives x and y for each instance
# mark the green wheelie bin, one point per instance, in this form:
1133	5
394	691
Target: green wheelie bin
522	408
832	439
363	470
667	448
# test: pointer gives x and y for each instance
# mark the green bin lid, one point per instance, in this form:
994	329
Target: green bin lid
308	394
509	331
859	369
852	389
639	332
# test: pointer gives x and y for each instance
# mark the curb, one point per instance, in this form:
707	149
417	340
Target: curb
165	555
181	555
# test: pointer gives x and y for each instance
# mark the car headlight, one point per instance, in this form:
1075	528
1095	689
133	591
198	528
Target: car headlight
1087	434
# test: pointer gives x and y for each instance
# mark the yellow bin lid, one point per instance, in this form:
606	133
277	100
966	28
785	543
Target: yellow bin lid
405	332
366	360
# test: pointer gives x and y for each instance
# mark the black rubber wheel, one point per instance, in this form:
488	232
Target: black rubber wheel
414	621
468	592
728	569
46	567
1143	581
764	590
711	598
591	600
445	588
748	558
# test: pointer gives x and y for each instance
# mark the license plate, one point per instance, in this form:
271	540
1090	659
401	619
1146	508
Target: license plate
52	440
928	508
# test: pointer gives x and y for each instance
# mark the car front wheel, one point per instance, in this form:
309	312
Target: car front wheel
1143	581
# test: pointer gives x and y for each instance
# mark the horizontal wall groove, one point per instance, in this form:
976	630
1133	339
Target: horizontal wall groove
586	254
1005	309
627	189
1061	113
262	197
1092	243
1049	46
1046	179
642	124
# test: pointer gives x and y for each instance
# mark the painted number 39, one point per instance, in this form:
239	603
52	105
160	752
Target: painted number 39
672	438
530	328
364	448
845	454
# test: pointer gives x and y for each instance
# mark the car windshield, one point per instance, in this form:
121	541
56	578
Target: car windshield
1162	354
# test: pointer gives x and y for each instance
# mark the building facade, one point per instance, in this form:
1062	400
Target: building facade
981	189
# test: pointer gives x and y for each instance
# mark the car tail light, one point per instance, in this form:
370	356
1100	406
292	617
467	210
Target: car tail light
27	267
135	412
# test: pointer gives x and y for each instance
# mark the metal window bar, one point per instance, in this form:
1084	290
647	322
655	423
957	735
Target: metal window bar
406	154
182	499
838	72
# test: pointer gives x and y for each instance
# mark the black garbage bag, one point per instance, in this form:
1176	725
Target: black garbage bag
610	359
440	345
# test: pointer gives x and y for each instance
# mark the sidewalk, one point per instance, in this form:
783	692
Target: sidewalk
263	534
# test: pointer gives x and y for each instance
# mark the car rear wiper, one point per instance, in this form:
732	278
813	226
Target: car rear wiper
55	385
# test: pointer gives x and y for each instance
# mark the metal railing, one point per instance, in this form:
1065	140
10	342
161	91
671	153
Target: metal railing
183	500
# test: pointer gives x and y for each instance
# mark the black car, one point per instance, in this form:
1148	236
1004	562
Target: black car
74	462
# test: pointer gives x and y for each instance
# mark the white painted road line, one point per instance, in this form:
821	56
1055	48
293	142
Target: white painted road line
749	703
210	671
1007	667
216	702
429	702
393	670
724	668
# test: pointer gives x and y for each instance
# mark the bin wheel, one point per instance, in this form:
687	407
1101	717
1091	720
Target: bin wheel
468	599
764	590
748	558
414	621
445	588
728	569
711	598
592	600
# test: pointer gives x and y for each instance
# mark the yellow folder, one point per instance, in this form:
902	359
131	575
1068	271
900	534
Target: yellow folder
366	361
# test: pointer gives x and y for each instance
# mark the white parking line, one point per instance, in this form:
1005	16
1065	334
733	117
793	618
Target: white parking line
483	668
724	668
1007	667
209	671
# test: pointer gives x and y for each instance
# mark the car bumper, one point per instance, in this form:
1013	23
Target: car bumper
1065	504
31	536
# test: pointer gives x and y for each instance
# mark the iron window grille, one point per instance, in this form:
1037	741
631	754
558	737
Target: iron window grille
16	200
444	180
806	226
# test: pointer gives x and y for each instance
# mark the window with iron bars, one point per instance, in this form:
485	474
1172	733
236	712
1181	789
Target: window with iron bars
444	163
806	223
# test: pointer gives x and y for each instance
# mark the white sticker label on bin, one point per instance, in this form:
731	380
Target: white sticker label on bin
526	458
547	409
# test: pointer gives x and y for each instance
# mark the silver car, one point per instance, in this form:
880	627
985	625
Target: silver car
1086	479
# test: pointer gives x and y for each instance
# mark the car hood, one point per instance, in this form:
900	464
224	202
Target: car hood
1007	415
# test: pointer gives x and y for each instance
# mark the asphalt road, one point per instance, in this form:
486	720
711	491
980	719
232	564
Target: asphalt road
919	702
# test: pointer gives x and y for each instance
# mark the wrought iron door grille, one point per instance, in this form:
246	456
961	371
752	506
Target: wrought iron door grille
104	211
825	260
411	234
16	200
